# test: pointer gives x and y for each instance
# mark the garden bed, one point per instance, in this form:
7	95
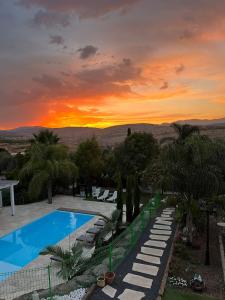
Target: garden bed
174	294
187	261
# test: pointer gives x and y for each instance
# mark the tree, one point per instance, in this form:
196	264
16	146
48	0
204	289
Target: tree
119	200
128	131
135	153
88	158
182	131
46	163
46	137
129	199
109	227
5	159
72	262
191	171
136	196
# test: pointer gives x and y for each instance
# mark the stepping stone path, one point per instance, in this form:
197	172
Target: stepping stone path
156	231
110	291
148	258
144	269
131	294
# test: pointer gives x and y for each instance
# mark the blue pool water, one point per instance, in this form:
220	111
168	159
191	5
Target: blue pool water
20	247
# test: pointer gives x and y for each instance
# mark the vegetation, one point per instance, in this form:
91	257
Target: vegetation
46	137
136	196
173	294
119	200
190	170
129	199
46	163
88	159
135	153
71	261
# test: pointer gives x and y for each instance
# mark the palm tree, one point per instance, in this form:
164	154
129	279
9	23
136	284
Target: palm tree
45	137
183	132
110	226
45	165
190	170
72	262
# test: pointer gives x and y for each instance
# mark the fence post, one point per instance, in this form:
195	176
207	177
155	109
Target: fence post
110	257
49	281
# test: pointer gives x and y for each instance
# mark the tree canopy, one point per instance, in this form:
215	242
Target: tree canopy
135	153
45	136
45	165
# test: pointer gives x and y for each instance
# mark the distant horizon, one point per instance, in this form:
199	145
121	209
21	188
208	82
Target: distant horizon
212	121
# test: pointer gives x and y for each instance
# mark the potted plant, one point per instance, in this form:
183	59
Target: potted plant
101	281
109	277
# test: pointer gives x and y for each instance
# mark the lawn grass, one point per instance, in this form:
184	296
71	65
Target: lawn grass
173	294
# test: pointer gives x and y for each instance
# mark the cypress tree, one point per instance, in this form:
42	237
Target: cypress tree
128	131
136	196
119	200
129	200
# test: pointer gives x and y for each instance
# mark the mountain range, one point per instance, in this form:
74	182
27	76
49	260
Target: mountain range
114	134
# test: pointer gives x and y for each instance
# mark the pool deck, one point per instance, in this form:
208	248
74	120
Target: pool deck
30	212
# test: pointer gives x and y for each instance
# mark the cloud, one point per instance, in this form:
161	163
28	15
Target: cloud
164	86
91	83
48	81
179	68
83	8
87	51
56	39
50	19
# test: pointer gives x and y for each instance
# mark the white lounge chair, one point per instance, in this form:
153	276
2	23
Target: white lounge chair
112	198
103	196
96	193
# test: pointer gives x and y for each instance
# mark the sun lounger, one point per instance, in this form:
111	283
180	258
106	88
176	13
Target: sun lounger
103	196
112	198
89	239
56	258
96	193
100	223
93	230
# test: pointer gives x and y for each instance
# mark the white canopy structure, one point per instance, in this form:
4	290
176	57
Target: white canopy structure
4	184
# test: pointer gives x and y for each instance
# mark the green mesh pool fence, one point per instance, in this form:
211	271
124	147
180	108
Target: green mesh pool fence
107	258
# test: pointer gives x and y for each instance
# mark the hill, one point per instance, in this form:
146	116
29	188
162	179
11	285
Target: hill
16	140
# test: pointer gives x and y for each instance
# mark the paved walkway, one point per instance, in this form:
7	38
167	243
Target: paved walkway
140	275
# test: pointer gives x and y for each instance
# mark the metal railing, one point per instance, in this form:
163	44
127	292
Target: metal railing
13	285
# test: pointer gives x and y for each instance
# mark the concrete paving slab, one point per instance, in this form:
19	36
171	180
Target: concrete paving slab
163	222
152	251
145	268
109	291
149	259
161	227
165	216
159	237
156	244
168	213
138	280
159	231
170	209
131	295
164	219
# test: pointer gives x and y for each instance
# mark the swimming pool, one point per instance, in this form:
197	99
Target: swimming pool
20	247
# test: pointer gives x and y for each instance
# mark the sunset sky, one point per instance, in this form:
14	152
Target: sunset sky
108	62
